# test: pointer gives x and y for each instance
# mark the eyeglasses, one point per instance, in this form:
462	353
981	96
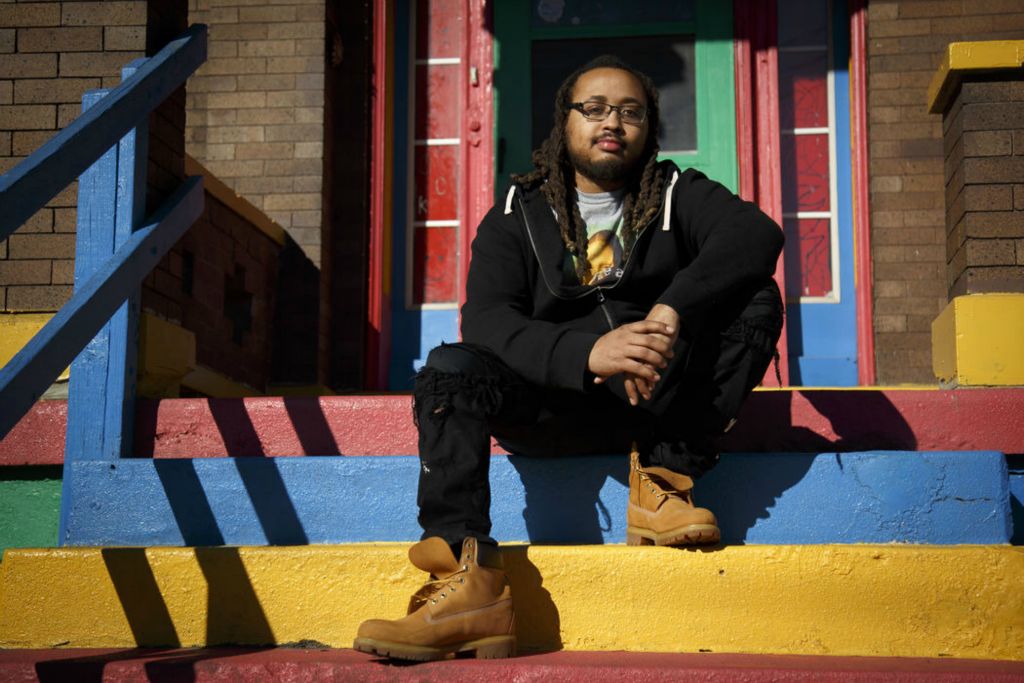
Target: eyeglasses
634	115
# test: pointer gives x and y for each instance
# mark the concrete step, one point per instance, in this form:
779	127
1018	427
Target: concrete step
787	420
853	600
285	665
872	497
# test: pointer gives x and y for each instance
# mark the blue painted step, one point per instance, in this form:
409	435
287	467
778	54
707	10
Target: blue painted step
872	497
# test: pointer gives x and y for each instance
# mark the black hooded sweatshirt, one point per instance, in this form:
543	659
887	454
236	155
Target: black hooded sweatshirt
704	244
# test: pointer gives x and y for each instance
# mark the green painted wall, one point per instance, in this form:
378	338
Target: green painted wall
29	506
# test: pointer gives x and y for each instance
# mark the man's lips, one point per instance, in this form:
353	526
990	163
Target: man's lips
610	144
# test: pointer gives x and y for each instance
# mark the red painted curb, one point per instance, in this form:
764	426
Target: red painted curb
282	664
812	420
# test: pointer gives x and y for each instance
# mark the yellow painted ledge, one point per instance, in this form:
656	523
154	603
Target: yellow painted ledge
978	340
976	57
870	600
16	330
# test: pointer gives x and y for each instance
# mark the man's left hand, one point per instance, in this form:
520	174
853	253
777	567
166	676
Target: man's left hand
663	314
642	386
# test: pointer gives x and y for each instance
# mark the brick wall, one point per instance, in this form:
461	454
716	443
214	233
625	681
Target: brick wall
51	53
984	143
256	108
219	281
908	231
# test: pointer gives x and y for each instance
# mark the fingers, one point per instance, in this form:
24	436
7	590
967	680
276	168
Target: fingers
649	327
631	392
656	342
646	355
644	387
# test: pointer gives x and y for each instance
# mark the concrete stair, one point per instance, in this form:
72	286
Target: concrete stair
854	600
870	535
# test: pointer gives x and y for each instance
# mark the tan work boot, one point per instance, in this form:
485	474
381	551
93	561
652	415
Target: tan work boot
466	606
661	510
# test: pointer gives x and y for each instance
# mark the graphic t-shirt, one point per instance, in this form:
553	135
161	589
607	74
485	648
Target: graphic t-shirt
602	212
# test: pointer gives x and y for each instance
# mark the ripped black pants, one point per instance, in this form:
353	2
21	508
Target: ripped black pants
465	394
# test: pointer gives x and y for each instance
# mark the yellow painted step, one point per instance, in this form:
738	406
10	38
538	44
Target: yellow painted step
885	600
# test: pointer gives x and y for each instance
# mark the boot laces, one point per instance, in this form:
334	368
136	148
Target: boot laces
437	589
660	488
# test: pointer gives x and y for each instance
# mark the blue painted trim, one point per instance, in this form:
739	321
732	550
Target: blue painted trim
872	497
32	370
48	170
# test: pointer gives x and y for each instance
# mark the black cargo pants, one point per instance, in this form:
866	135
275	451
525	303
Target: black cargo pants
465	394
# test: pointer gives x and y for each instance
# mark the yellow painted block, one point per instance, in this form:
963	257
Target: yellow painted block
965	57
16	330
167	353
869	600
212	383
978	340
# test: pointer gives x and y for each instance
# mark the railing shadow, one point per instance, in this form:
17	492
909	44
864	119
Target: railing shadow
159	665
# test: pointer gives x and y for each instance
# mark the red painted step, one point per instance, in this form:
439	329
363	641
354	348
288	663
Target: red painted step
810	420
284	664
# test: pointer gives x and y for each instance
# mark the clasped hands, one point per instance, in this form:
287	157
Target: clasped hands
637	350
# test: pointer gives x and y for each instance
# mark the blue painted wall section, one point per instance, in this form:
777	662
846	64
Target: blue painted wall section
874	497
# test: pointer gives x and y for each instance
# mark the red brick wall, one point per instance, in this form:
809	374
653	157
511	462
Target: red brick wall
256	108
906	39
51	53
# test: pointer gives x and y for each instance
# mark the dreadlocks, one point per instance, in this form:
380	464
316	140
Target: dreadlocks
551	163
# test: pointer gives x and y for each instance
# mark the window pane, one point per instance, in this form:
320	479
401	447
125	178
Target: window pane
805	173
808	257
803	89
668	60
547	13
434	266
802	22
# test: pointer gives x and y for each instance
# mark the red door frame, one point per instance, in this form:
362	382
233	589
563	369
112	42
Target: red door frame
757	127
861	206
478	136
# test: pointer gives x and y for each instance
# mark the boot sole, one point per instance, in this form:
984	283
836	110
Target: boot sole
693	534
493	647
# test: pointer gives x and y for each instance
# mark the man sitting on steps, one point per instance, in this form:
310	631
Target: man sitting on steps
613	303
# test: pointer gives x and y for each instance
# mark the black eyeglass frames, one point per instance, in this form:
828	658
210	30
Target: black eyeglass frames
632	114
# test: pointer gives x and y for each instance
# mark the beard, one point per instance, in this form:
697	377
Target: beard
608	169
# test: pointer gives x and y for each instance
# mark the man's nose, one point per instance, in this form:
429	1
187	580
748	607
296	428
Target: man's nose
617	125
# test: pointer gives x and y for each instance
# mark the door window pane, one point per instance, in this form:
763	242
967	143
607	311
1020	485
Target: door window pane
668	60
808	257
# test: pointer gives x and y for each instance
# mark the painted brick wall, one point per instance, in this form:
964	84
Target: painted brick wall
256	108
908	228
50	53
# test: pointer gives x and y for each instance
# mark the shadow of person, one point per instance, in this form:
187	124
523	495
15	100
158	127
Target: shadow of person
743	488
569	499
775	443
538	624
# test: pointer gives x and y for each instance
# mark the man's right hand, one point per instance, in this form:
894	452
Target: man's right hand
635	349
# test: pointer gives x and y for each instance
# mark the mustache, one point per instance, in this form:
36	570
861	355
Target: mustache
609	136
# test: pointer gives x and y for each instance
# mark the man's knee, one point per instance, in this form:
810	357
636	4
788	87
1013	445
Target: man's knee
463	377
458	358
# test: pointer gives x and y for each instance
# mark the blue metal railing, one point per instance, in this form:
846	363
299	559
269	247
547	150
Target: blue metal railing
117	246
